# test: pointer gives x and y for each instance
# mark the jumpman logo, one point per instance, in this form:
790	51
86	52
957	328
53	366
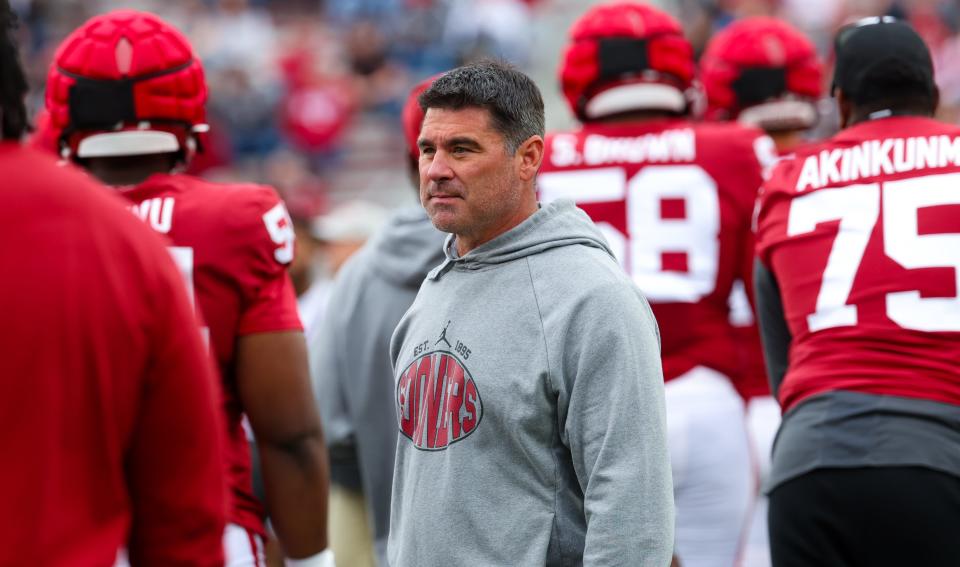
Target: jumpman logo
443	336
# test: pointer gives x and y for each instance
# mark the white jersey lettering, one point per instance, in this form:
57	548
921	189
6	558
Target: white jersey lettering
878	157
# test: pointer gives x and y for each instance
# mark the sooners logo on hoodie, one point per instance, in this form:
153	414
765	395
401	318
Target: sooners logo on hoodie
437	401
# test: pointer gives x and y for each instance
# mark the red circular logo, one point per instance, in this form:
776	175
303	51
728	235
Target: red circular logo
437	401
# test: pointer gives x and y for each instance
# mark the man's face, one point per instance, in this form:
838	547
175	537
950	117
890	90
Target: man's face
468	181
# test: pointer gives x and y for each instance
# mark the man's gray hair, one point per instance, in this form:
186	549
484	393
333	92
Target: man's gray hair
511	97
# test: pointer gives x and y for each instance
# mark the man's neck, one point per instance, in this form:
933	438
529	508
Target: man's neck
133	170
857	116
467	242
786	140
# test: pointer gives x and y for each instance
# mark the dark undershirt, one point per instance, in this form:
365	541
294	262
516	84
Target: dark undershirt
840	429
774	333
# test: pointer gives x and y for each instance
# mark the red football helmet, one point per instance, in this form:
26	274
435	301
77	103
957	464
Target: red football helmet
412	116
763	72
126	83
625	56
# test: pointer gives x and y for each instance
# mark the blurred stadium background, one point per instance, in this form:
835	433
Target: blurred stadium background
306	94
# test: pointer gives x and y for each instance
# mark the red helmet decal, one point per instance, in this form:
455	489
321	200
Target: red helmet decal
124	54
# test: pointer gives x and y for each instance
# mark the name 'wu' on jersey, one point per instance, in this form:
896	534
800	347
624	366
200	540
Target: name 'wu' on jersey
232	244
674	199
862	233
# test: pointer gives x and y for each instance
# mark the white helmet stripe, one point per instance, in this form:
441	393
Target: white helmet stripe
128	143
636	96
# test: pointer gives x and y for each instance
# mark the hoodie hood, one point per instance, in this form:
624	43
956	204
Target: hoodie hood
407	248
558	224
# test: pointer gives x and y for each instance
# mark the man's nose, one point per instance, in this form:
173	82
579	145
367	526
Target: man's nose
438	168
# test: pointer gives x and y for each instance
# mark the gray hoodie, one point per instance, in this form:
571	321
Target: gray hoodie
530	400
350	361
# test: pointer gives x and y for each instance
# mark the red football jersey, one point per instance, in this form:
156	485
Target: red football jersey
861	233
232	244
108	419
752	381
675	201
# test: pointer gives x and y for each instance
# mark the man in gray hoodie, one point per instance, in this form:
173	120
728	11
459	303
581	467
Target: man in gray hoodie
349	356
529	389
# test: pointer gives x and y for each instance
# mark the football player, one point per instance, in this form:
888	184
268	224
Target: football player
761	72
857	286
674	199
108	419
126	94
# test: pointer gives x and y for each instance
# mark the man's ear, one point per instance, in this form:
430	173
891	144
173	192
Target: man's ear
529	157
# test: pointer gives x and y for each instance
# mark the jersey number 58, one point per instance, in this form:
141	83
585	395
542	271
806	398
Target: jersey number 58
672	212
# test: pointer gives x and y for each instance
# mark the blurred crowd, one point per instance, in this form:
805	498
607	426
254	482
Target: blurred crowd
306	94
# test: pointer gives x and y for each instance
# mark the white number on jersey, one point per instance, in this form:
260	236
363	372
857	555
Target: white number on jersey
650	236
183	258
858	208
280	228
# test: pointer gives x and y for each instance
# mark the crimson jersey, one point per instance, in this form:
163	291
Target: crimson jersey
861	234
753	381
675	201
232	243
108	419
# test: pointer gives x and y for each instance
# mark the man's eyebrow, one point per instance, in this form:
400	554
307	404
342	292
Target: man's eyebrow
463	141
455	141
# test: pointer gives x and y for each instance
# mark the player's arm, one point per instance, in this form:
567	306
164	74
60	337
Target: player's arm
174	467
774	333
274	383
611	405
273	380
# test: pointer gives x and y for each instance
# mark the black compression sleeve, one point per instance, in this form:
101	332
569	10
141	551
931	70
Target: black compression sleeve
773	326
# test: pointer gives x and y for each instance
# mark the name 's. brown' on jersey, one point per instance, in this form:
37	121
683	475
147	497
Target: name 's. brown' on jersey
675	201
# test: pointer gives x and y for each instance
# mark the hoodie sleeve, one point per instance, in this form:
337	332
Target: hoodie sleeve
327	352
613	421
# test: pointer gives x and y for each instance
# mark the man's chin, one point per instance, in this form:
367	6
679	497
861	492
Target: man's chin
443	219
444	225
